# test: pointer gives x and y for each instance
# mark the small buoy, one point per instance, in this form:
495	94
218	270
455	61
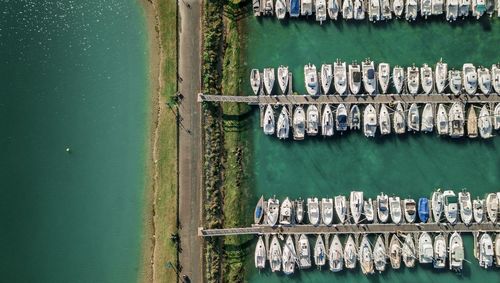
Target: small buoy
68	149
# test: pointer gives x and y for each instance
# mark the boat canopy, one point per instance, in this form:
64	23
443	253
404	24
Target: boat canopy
371	74
356	77
294	7
423	209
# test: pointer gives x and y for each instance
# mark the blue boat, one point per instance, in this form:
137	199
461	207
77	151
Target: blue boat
259	211
423	209
294	8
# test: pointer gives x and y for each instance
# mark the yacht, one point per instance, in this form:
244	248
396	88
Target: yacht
306	7
368	210
311	79
333	9
269	122
413	80
399	122
485	251
341	208
408	251
465	203
464	8
437	7
496	120
455	81
319	252
450	206
340	77
442	120
410	207
286	212
289	256
411	10
366	256
260	254
383	207
299	123
478	210
425	8
384	120
326	77
341	118
395	252
280	9
472	123
385	10
484	80
478	8
269	80
395	209
313	211
413	118
425	250
497	250
437	205
294	7
451	10
426	78
283	76
359	10
272	212
370	121
470	78
456	120
355	118
369	81
384	74
347	9
354	78
255	81
312	120
495	73
398	78
427	118
484	123
327	210
299	211
423	209
275	254
356	203
374	10
327	122
320	6
398	7
259	211
350	253
456	250
283	124
379	255
439	252
304	252
336	255
492	206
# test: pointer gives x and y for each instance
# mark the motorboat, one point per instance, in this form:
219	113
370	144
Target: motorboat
484	123
464	8
497	250
268	80
280	9
442	120
426	78
299	211
282	75
451	10
313	211
272	212
260	254
410	207
408	251
304	252
425	8
398	76
379	255
369	121
340	77
478	8
275	254
369	81
319	252
411	10
384	120
326	77
269	122
327	122
289	256
341	208
368	210
427	118
255	81
496	120
423	209
472	123
294	7
413	79
398	7
484	80
256	7
350	253
286	212
355	118
374	10
341	118
327	210
306	7
437	7
399	121
312	120
347	9
413	118
455	81
366	256
456	120
485	251
425	250
465	203
336	255
437	205
359	10
495	73
385	10
395	252
258	214
383	207
311	79
492	206
355	77
395	209
384	74
450	206
456	250
333	9
478	210
283	124
356	203
299	123
320	6
268	7
470	78
440	252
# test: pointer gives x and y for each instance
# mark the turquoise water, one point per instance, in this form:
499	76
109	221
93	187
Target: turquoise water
73	74
410	165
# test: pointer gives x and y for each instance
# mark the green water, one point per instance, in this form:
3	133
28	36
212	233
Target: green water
409	165
72	73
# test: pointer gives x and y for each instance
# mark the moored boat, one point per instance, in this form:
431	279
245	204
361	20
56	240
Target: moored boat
450	206
437	205
395	209
340	77
283	124
456	120
497	250
333	9
478	8
354	78
299	123
255	81
451	10
320	10
311	79
306	7
283	76
327	122
423	209
327	210
413	80
472	123
355	118
358	9
384	73
350	253
484	80
410	207
299	211
470	78
425	250
464	8
495	71
427	118
289	256
383	207
395	252
456	250
465	203
408	251
260	254
304	252
312	120
442	120
369	121
286	212
374	10
259	211
411	9
280	9
398	7
425	8
398	76
478	210
484	123
368	210
379	255
365	256
326	77
492	206
455	81
294	8
496	119
313	213
336	255
426	77
269	80
384	120
385	10
272	211
341	208
440	252
347	9
319	252
437	7
485	251
341	118
356	204
275	254
269	122
413	118
369	81
399	121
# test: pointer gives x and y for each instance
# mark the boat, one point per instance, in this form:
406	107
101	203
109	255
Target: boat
450	206
289	256
280	9
282	76
411	10
492	207
484	80
319	252
398	77
359	10
350	253
311	79
410	207
384	120
306	7
383	207
465	203
426	78
496	120
408	251
299	211
355	78
440	252
456	250
356	203
413	80
326	77
320	6
395	209
312	120
478	210
484	123
341	118
413	118
495	72
341	208
299	123
374	10
425	8
286	212
385	10
355	118
423	209
333	9
369	121
260	254
437	7
427	118
304	252
313	211
451	10
497	250
398	7
256	7
464	8
455	81
259	211
470	78
456	120
272	212
269	122
327	210
294	8
368	210
472	123
336	255
369	81
268	80
340	77
425	250
347	9
327	122
485	251
255	81
283	124
395	252
379	256
478	8
365	256
437	205
384	74
275	254
442	120
399	122
268	7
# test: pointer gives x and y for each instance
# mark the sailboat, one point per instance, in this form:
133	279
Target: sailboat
350	253
283	124
484	123
347	9
275	254
398	76
335	255
379	256
283	76
341	208
427	118
470	78
255	81
333	9
437	205
399	121
426	77
356	203
398	7
408	251
319	252
269	120
484	80
368	210
289	256
413	80
365	256
259	211
269	80
326	77
260	254
272	212
395	252
451	10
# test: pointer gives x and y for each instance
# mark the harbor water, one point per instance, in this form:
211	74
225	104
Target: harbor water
409	165
73	132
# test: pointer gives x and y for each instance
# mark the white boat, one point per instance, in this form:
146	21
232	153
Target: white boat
484	123
336	255
269	122
256	7
437	205
306	7
425	8
456	120
398	78
464	8
327	210
369	80
369	121
272	212
495	72
359	10
472	123
341	122
299	123
255	81
497	250
327	122
398	7
450	206
269	80
492	206
437	7
395	209
455	81
470	78
384	74
312	120
408	251
275	254
319	252
440	252
411	10
365	256
399	120
374	10
283	76
442	120
355	118
268	7
464	200
304	252
385	10
410	207
384	120
289	256
341	208
413	80
368	210
286	212
425	250
478	210
299	211
456	250
355	78
350	253
311	79
478	8
383	207
260	254
451	10
379	255
320	6
283	127
333	9
427	118
496	120
485	251
280	9
340	77
326	77
395	252
426	78
347	9
356	203
313	213
484	80
413	118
